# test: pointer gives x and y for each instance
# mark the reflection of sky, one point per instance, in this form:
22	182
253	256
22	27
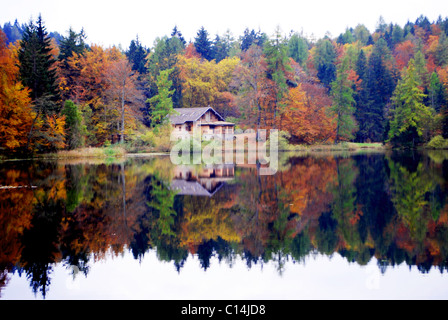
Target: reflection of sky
319	277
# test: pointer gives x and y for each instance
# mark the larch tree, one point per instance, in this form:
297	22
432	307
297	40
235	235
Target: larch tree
162	103
279	70
410	117
343	106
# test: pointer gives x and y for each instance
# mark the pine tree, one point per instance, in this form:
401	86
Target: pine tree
137	56
220	49
410	115
298	49
250	38
325	61
203	45
177	34
37	66
380	86
362	99
436	93
276	52
73	43
441	53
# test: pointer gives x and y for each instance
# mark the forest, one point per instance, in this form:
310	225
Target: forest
388	85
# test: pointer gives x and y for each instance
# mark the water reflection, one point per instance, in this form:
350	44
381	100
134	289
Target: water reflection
391	207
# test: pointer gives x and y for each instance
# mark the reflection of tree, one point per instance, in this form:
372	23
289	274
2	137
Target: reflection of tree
40	241
15	215
409	192
393	208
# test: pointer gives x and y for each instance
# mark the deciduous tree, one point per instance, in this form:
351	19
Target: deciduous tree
15	103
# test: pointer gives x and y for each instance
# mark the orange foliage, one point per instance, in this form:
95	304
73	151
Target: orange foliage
15	103
403	53
306	119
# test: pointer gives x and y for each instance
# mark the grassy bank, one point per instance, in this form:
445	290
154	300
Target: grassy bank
104	152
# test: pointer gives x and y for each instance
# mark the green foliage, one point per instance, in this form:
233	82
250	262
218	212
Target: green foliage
276	52
137	56
163	56
162	201
37	70
298	49
343	105
438	142
203	44
410	116
162	103
380	86
436	94
324	61
75	130
441	53
73	43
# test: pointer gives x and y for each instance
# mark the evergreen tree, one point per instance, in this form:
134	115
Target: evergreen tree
298	49
37	66
73	43
220	49
362	99
397	35
177	34
441	53
203	44
380	86
276	52
163	57
343	104
410	116
250	37
137	56
325	61
13	32
436	94
75	130
420	68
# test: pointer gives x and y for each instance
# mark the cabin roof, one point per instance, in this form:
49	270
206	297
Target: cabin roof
192	188
183	115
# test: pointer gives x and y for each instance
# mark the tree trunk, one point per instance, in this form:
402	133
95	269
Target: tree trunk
122	113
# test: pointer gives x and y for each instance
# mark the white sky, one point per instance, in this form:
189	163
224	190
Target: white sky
116	22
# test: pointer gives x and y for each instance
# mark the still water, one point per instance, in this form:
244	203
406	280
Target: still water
326	226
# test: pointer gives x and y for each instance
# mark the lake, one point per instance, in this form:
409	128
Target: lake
325	226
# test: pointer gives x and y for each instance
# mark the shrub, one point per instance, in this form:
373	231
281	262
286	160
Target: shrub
438	142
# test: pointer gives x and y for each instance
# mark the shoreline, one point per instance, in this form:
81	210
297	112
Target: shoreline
118	152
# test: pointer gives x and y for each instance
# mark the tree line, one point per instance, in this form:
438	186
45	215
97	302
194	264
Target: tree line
388	85
392	209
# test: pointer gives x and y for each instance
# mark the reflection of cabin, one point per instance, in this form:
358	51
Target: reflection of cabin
206	121
203	182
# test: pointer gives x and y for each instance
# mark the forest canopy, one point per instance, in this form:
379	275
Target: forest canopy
387	85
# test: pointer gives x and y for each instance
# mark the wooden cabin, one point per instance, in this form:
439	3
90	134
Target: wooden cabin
205	121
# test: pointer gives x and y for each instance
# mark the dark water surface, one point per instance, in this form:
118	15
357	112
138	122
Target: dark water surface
327	226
